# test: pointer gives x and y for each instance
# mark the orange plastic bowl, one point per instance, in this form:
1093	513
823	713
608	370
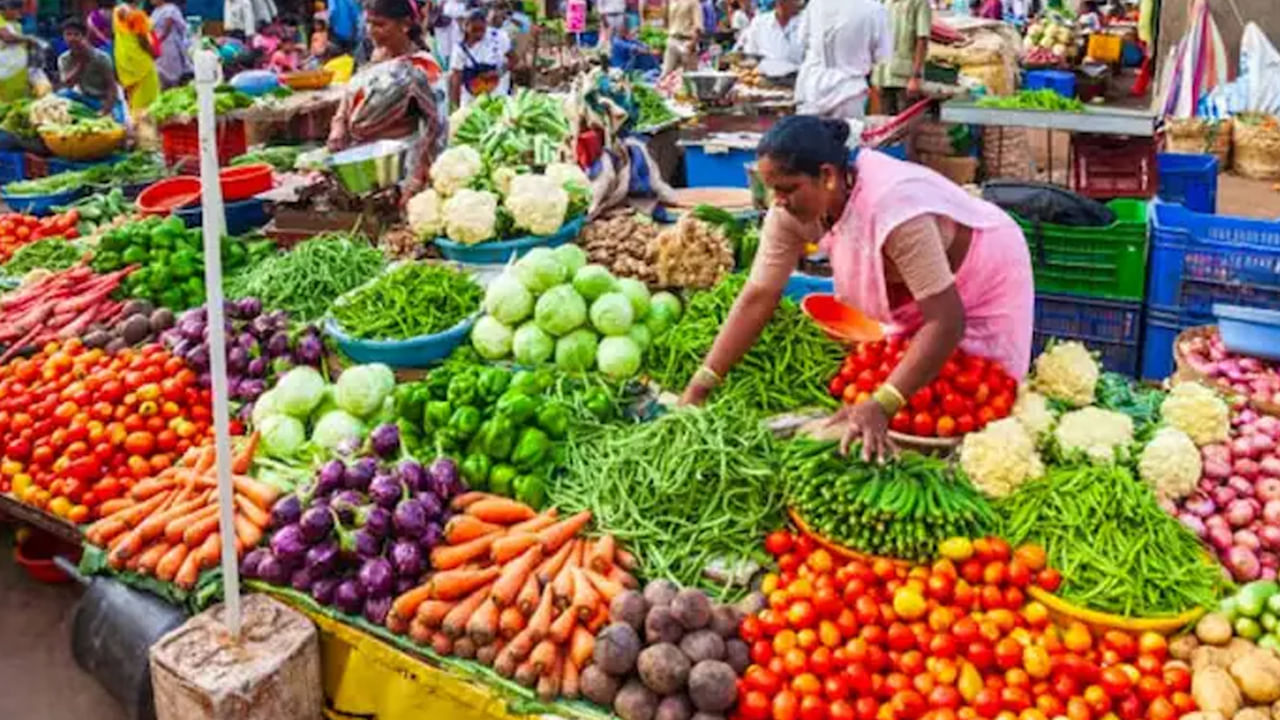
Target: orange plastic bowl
840	321
244	181
165	196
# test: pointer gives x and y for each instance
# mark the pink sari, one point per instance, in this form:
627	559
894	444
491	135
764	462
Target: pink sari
994	280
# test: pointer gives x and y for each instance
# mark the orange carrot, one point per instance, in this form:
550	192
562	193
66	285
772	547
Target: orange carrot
486	654
102	531
130	545
189	571
432	612
562	532
247	532
442	643
448	557
150	557
113	506
511	545
456	584
153	526
526	675
455	622
581	645
549	682
397	625
241	462
406	605
173	532
260	493
540	621
623	578
626	560
483	625
150	487
199	531
600	619
569	687
516	650
563	584
544	519
204	460
419	633
562	628
527	600
550	567
500	510
464	647
210	551
600	558
607	589
252	513
510	622
513	576
467	499
543	656
169	565
585	597
462	528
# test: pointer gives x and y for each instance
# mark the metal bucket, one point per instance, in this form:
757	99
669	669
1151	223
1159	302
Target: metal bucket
371	167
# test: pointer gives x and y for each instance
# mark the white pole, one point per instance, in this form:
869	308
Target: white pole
214	221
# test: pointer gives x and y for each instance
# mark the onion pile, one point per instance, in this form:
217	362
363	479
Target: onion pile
1255	379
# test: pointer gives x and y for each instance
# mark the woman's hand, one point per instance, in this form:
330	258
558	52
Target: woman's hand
695	394
868	422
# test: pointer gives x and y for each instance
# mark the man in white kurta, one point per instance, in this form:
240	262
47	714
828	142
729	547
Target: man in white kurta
844	40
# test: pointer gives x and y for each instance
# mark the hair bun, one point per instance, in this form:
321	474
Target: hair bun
839	130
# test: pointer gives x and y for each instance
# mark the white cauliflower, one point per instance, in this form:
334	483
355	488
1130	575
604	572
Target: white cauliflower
1032	410
471	216
1000	457
1067	372
426	216
565	173
501	178
1197	411
455	169
537	204
456	118
50	110
1097	432
1170	464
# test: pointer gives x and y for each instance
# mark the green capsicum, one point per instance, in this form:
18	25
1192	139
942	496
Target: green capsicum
447	441
532	447
465	421
462	389
516	406
438	383
492	383
554	418
599	403
531	490
436	414
475	470
502	479
525	382
500	438
410	436
411	400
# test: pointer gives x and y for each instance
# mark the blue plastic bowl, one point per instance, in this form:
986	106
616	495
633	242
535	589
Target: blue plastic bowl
1249	331
412	353
39	204
799	285
498	253
242	215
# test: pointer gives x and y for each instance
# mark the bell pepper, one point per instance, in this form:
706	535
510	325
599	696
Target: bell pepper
492	383
531	490
447	441
516	406
410	436
411	400
532	447
462	389
438	383
545	377
500	438
599	403
524	381
502	479
435	415
553	418
475	470
465	421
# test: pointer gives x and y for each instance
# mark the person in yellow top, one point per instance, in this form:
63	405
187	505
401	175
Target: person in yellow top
14	83
135	56
684	25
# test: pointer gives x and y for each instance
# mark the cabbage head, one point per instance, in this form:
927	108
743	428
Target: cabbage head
539	270
560	310
361	389
572	257
508	300
611	314
282	435
576	351
491	338
531	345
299	391
668	303
638	294
641	335
592	281
267	404
618	357
337	428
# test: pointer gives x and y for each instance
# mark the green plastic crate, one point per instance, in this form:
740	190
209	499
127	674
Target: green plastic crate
1104	262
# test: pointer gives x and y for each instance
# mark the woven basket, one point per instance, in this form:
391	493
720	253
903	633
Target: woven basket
1197	136
1257	148
1006	154
959	170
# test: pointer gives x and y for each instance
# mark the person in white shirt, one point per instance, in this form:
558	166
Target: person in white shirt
739	18
613	18
774	37
844	40
481	61
447	27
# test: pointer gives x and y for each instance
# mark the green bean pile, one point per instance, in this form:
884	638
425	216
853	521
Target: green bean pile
408	301
787	368
51	254
305	280
686	488
1117	550
902	509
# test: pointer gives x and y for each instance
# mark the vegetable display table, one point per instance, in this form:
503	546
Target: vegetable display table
10	506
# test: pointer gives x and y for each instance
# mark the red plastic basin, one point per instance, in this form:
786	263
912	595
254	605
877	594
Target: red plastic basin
36	553
244	181
840	321
165	196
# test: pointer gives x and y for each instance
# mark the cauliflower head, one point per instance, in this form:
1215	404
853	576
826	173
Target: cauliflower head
1098	433
566	173
1197	411
456	118
426	214
1170	464
1067	372
455	169
1032	410
501	178
537	204
471	216
1000	457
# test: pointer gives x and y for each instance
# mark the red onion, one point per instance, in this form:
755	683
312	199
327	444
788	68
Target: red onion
1269	535
1244	564
1199	505
1268	424
1271	512
1270	466
1262	443
1267	574
1269	559
1247	538
1243	487
1246	467
1241	448
1267	489
1223	496
1219	538
1194	524
1217	451
1216	521
1241	512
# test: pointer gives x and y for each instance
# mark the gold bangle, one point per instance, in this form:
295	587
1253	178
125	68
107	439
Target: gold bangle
707	377
889	398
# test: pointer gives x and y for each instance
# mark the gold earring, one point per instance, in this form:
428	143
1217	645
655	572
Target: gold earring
831	185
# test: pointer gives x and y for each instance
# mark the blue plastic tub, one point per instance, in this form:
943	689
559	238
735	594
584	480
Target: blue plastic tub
1110	327
1198	260
1191	180
801	284
1249	331
498	253
1160	329
39	204
413	353
716	169
632	55
11	167
242	215
1059	81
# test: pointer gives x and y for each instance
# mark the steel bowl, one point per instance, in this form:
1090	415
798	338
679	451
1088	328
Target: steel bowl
367	168
709	85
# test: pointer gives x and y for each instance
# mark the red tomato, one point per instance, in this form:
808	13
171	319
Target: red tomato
866	707
801	614
754	705
1149	688
841	710
778	542
786	706
835	688
922	399
901	422
922	424
981	655
813	707
836	386
1049	579
1177	679
946	426
987	703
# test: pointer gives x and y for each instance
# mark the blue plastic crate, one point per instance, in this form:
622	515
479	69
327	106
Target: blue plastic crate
726	168
40	205
1198	260
801	284
1111	327
1191	180
1249	331
59	165
11	167
1059	81
1159	332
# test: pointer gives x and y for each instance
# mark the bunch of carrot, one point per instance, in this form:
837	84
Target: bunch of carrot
167	525
517	590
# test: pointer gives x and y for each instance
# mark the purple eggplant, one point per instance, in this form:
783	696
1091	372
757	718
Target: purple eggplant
280	319
377	577
204	379
278	344
414	475
252	559
376	609
180	346
198	359
289	544
349	596
310	350
262	327
271	570
316	524
250	345
301	579
406	558
443	477
367	545
322	559
432	536
345	503
409	519
385	440
286	511
248	308
431	506
330	478
359	474
378	521
322	590
385	490
252	389
405	584
191	328
258	367
237	360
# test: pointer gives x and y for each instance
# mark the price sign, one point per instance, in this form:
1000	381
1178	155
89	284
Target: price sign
575	16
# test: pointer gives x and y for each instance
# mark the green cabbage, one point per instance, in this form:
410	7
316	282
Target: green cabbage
491	338
641	335
361	389
531	345
611	314
572	257
618	357
576	351
560	310
539	270
266	405
638	294
592	281
668	302
299	391
660	319
282	435
508	300
337	428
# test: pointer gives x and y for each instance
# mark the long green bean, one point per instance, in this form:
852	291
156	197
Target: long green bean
307	279
408	301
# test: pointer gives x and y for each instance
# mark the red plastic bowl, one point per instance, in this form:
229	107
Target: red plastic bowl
165	196
244	181
840	321
35	555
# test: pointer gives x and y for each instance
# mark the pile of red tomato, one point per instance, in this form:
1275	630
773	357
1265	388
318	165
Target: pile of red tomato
79	426
958	640
969	392
17	230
